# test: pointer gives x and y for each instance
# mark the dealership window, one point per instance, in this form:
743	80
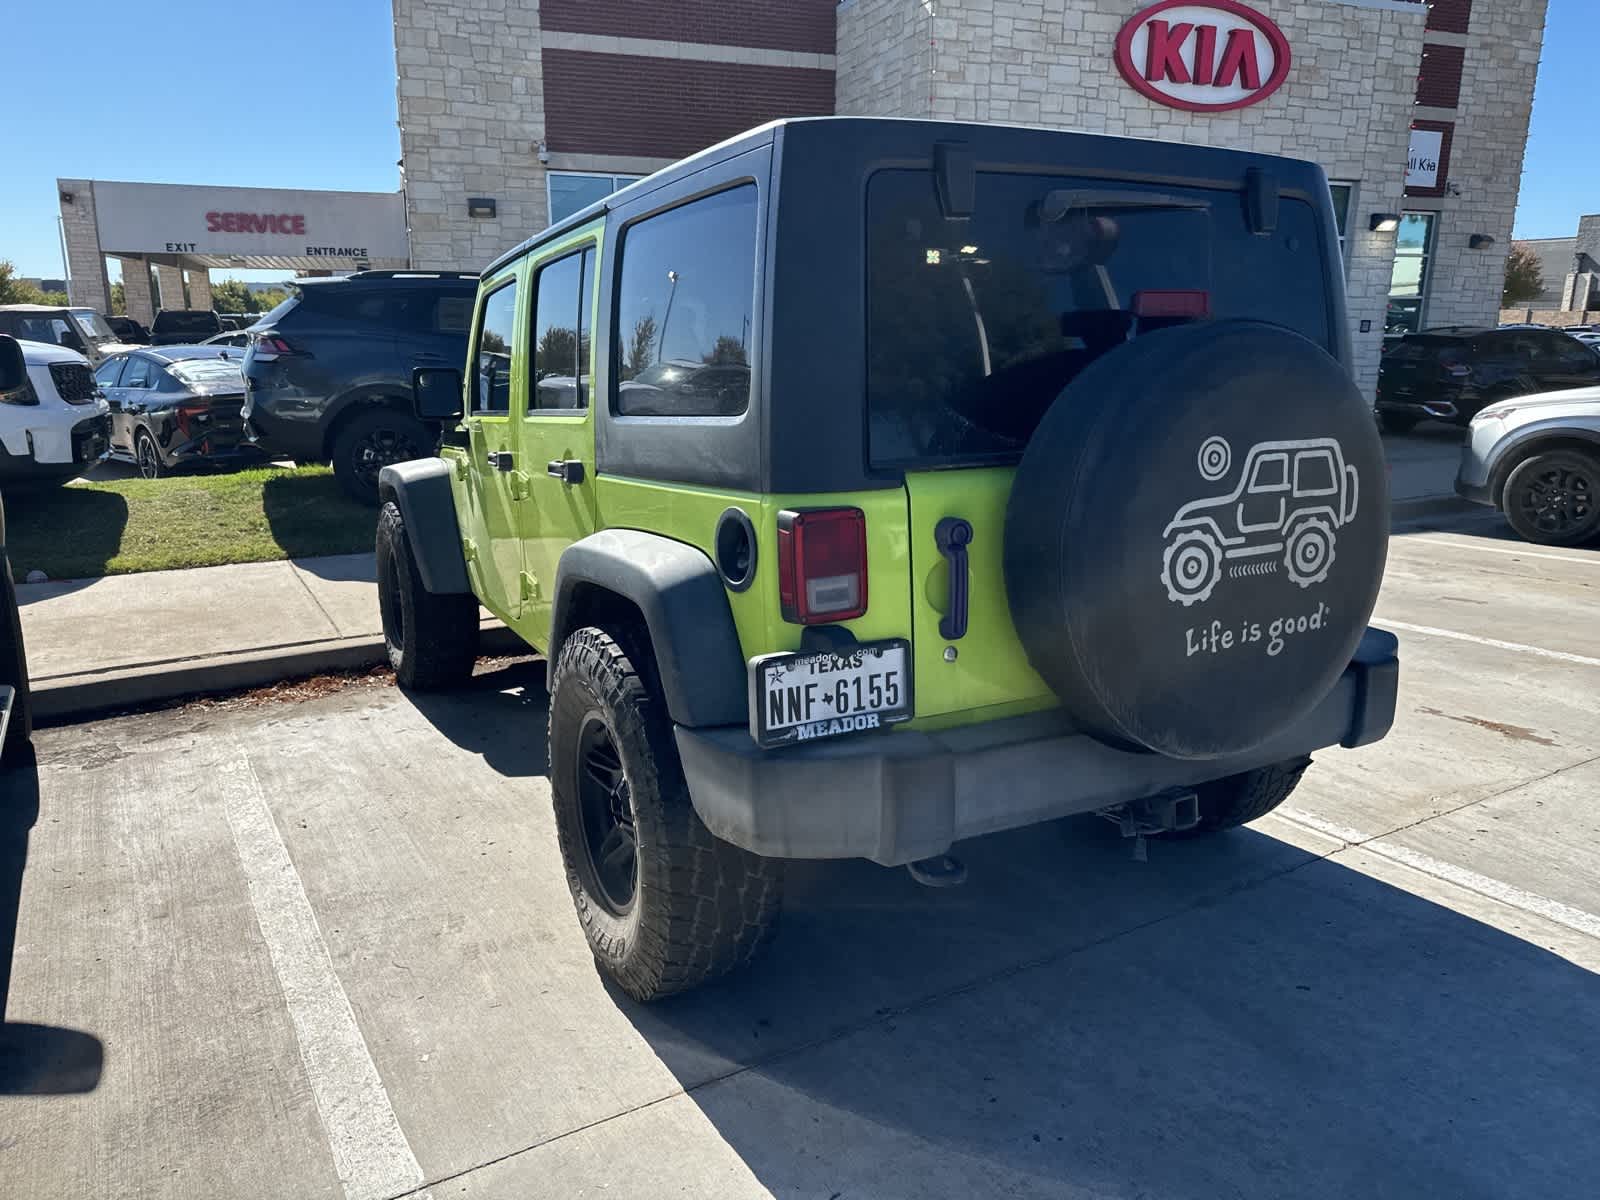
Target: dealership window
1343	194
572	191
1408	285
685	301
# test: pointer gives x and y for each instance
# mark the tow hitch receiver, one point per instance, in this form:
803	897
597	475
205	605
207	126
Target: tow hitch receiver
1171	811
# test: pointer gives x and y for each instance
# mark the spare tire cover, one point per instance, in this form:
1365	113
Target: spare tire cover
1196	535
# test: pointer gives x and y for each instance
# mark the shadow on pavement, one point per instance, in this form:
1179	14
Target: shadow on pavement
68	532
35	1060
1235	1018
500	715
310	516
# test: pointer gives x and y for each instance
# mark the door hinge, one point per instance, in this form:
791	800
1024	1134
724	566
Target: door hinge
521	485
469	549
461	469
530	586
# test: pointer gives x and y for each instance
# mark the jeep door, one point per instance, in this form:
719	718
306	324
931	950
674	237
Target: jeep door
492	540
557	426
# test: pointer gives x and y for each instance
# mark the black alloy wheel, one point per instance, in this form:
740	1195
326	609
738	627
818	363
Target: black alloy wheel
379	448
148	457
610	843
1551	498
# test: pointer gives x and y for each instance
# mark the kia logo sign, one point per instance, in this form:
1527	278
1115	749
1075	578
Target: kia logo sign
1208	57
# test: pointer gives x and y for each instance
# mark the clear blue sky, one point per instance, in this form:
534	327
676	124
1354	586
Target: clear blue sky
301	94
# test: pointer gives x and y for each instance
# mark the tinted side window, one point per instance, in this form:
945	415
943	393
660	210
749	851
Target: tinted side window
141	373
685	303
109	370
561	333
491	380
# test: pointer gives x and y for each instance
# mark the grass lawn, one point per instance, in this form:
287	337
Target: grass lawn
88	529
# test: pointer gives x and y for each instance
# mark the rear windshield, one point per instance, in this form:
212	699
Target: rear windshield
974	326
210	371
187	322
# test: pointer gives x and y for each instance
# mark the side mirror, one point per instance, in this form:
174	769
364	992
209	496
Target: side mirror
13	369
71	341
436	393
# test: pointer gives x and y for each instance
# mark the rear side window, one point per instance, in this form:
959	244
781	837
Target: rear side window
561	333
974	327
106	375
685	302
491	376
141	373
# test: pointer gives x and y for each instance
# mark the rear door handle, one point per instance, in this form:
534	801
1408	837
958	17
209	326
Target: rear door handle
568	470
502	460
953	535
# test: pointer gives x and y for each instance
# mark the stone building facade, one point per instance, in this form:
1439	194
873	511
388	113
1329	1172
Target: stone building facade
1418	112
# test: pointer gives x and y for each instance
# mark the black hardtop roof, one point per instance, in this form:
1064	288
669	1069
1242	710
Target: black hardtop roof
387	279
1014	145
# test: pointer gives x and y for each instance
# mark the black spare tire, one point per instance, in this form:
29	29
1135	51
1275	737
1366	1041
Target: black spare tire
1196	535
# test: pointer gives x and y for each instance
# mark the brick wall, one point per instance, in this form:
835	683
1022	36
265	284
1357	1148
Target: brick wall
86	266
884	58
1439	79
585	109
801	25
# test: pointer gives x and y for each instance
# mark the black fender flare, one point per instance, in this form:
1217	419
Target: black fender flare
421	490
685	606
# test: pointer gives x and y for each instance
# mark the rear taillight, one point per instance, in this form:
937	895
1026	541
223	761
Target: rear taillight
269	346
1193	305
822	564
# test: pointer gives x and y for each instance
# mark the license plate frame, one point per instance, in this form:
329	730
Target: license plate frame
847	664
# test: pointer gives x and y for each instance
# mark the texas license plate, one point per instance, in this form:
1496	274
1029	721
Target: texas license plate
801	697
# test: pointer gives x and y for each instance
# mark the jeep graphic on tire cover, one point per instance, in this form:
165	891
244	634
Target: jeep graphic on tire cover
1196	536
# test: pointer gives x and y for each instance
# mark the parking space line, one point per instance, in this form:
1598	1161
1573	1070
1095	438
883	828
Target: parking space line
1582	660
1576	919
1423	539
370	1150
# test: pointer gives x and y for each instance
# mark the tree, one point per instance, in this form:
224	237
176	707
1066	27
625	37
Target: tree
641	347
14	291
1524	279
728	351
119	299
232	296
267	301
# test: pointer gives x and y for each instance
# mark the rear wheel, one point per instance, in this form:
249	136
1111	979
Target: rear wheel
1550	498
148	455
372	440
1238	799
1394	422
664	905
432	639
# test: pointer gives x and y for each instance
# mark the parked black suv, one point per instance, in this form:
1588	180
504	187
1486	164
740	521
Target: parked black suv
328	373
183	326
1452	372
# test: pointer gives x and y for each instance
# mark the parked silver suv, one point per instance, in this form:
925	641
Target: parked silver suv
1537	459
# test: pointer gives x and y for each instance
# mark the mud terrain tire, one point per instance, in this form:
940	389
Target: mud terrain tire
432	640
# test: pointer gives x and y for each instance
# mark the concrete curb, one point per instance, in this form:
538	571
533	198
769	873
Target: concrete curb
72	697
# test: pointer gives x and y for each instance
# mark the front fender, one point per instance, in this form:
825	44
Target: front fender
685	607
421	490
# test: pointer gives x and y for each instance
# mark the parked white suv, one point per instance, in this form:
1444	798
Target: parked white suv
54	421
1537	459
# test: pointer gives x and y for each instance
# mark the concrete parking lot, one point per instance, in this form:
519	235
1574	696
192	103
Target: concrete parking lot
325	949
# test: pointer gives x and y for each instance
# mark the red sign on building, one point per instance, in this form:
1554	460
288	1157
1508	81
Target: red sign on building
1203	57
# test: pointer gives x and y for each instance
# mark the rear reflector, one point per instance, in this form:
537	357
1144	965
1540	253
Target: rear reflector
1172	304
822	564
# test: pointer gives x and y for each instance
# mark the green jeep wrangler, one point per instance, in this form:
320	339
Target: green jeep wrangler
871	484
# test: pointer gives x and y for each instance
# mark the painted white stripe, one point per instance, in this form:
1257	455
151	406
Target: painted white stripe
370	1150
1592	560
1582	660
1576	919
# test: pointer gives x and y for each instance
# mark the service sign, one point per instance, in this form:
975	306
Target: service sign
1209	57
1422	166
307	228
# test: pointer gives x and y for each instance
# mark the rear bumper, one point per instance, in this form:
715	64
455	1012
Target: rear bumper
897	797
283	422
